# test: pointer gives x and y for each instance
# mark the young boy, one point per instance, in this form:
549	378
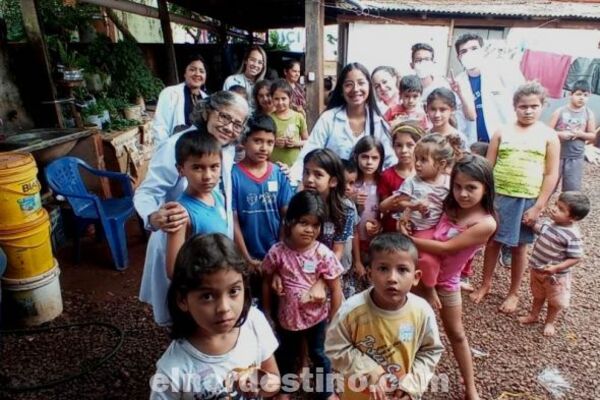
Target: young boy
575	125
385	333
557	249
525	156
198	159
350	285
261	193
411	108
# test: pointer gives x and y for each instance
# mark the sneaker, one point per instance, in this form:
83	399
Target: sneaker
505	258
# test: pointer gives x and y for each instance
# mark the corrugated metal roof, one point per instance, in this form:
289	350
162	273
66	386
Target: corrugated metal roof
498	8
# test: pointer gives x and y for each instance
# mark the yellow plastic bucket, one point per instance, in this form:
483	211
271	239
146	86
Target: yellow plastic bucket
19	189
28	248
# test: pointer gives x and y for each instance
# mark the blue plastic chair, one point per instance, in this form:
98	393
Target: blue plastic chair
64	178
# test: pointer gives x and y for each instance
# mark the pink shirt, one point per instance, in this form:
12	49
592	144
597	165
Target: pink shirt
299	271
452	264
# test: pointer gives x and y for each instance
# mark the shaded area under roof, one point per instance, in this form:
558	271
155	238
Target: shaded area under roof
256	15
494	8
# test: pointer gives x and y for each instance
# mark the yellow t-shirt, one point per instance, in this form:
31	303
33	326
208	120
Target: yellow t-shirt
521	161
404	342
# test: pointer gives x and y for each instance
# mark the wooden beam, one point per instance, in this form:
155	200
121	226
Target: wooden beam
41	68
120	25
165	23
314	20
342	55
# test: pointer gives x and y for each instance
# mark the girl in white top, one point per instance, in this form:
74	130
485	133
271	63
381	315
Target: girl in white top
221	344
252	70
223	115
175	103
351	114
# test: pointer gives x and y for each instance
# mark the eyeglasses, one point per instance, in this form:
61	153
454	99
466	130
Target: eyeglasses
227	119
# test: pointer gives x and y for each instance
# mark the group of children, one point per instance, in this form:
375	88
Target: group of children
331	265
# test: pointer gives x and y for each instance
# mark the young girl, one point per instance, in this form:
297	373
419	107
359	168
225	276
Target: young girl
525	156
441	105
261	94
404	138
300	260
292	132
198	159
421	197
368	156
467	224
220	342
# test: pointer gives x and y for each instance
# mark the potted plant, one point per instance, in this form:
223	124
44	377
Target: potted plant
71	63
93	115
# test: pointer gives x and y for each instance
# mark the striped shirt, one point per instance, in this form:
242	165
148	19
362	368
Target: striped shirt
555	244
419	190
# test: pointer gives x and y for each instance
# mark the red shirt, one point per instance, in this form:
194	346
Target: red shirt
389	182
399	114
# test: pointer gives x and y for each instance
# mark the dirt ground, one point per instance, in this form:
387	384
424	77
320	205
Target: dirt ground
94	292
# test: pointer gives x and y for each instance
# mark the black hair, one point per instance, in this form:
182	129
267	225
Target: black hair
257	88
239	89
350	166
192	58
467	37
199	256
444	94
393	242
582	85
328	83
336	98
283	85
411	83
480	170
577	202
304	203
195	143
289	64
421	46
479	148
331	163
260	122
368	143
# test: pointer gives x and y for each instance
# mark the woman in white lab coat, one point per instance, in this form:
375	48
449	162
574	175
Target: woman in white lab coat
222	115
351	114
175	103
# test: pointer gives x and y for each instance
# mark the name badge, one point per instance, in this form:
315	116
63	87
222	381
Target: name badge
272	186
309	267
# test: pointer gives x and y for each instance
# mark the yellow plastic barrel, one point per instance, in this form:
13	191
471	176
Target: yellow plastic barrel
19	189
28	248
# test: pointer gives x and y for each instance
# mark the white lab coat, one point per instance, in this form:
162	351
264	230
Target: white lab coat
170	112
332	131
498	84
161	185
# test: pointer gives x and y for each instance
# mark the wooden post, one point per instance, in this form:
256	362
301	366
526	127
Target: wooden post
41	70
342	46
165	23
314	19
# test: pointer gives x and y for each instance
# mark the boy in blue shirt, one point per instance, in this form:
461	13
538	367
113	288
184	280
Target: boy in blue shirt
198	159
261	193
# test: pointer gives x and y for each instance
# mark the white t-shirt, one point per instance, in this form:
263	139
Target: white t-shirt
184	372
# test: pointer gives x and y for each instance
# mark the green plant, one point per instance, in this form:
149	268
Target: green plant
69	59
94	109
275	44
131	77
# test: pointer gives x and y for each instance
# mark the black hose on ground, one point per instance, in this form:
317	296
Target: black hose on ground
83	371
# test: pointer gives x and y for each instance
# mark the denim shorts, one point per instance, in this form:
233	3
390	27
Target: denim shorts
511	232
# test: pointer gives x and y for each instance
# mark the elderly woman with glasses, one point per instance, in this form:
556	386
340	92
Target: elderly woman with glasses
222	115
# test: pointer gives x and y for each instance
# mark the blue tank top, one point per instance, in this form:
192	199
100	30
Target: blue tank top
203	217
